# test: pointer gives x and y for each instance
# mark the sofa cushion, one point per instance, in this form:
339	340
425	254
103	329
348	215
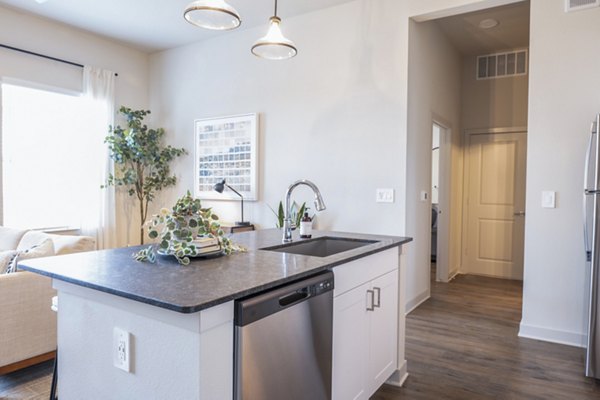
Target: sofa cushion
6	257
31	239
44	249
64	244
9	238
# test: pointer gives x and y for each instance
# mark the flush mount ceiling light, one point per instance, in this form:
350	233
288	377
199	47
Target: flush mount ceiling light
488	23
212	14
274	46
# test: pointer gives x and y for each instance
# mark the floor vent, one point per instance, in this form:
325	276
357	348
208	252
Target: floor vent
502	65
576	5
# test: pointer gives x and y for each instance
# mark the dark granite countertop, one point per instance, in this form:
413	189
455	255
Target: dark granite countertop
205	282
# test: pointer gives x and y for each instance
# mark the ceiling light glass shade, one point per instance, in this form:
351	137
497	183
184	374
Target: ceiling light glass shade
212	14
488	23
274	46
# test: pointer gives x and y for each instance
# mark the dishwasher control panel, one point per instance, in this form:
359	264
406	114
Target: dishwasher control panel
323	286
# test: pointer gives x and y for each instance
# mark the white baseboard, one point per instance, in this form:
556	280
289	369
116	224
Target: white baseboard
399	376
417	301
552	335
453	275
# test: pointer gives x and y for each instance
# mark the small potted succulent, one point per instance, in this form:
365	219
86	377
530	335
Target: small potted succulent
184	231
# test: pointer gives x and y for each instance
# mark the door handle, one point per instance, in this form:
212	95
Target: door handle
378	304
519	214
372	293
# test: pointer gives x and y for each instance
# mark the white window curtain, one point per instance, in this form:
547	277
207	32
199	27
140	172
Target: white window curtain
1	162
100	221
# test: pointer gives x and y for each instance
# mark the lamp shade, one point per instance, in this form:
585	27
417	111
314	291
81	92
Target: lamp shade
219	186
274	46
212	14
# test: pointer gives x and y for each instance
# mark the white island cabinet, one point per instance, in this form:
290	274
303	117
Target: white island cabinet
368	329
176	350
171	355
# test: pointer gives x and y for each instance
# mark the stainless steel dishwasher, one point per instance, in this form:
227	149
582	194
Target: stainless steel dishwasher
283	342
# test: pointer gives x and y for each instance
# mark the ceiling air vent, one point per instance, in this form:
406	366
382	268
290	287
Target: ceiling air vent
502	65
576	5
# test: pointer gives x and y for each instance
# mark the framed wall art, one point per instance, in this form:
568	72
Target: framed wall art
226	148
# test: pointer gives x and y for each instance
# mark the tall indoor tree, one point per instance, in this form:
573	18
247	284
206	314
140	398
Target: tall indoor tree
141	160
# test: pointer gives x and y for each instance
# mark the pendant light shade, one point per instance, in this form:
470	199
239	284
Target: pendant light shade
212	14
274	46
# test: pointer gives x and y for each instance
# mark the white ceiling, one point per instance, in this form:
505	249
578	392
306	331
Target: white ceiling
153	25
512	32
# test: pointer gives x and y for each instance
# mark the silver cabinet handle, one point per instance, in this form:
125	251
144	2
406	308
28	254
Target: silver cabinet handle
378	304
519	214
372	293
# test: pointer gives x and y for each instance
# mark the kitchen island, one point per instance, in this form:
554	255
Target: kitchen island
180	318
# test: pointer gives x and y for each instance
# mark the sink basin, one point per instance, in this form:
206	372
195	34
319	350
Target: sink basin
320	247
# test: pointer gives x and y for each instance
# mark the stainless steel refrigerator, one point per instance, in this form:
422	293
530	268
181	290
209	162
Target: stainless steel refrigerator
591	212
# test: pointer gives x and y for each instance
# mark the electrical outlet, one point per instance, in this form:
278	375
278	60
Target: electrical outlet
121	349
384	196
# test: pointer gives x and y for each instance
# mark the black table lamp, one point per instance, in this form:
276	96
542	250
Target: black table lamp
219	187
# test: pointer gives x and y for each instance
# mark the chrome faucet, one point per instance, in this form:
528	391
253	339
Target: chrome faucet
287	222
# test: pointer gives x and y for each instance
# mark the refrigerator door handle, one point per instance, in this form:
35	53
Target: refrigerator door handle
586	191
596	149
588	155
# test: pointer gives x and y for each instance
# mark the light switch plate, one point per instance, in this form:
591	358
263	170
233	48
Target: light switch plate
424	195
384	196
121	349
548	199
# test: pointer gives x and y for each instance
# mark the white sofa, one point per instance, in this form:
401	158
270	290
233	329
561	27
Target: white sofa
27	324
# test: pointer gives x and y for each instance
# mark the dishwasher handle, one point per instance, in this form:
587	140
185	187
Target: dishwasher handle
295	297
254	308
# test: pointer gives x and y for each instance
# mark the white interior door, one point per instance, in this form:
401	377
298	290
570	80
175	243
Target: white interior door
496	204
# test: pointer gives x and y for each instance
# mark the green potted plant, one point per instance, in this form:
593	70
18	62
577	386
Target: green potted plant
142	162
296	211
178	230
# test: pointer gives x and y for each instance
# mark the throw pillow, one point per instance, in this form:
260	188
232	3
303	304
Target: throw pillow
44	249
9	238
5	258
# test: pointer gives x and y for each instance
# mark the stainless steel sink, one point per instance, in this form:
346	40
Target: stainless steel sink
320	247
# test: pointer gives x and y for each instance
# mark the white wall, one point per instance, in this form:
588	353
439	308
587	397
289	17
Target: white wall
492	103
335	114
564	98
57	40
434	71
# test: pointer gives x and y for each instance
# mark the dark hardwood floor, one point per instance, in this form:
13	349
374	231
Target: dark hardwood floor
461	344
31	383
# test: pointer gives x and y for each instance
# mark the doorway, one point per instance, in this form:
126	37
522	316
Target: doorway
494	203
440	201
470	71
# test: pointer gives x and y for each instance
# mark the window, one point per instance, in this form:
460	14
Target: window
50	161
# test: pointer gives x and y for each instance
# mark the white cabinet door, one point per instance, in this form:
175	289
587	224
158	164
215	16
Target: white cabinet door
383	330
351	345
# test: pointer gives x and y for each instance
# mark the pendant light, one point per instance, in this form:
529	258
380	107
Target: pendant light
274	46
212	14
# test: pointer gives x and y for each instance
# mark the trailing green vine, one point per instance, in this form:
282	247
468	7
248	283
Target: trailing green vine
175	231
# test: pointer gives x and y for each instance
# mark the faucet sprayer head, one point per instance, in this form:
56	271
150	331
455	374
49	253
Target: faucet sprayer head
319	203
